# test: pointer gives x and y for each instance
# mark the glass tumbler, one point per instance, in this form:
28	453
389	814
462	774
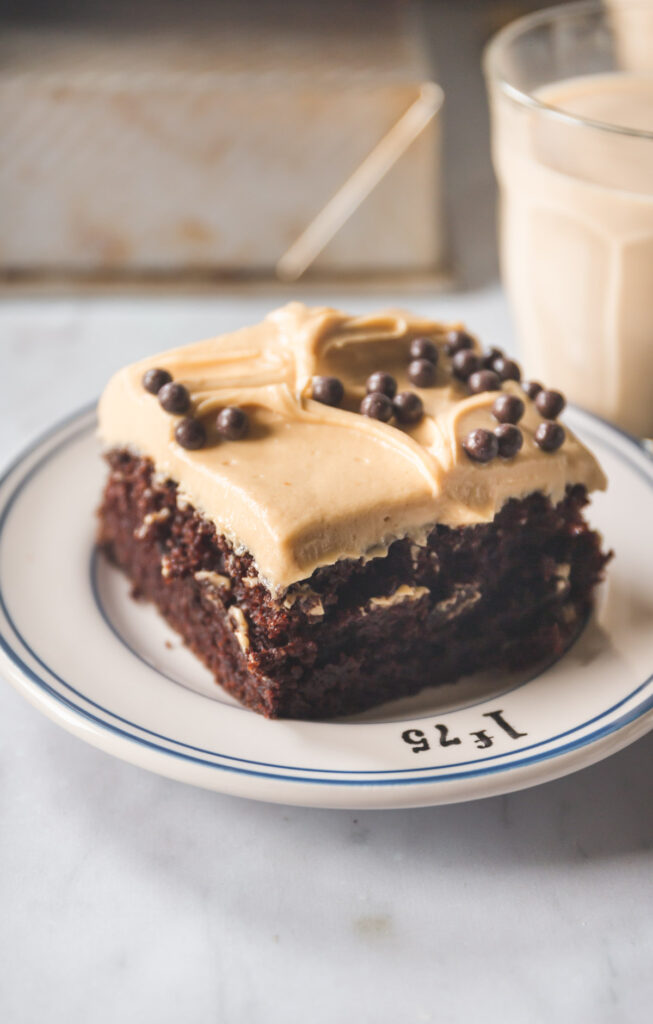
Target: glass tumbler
571	102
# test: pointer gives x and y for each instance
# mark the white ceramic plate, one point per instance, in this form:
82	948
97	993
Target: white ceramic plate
109	670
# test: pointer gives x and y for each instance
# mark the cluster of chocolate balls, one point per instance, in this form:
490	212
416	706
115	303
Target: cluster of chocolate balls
480	373
231	422
381	400
507	439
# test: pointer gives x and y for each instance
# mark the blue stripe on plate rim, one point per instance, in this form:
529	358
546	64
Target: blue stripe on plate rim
77	424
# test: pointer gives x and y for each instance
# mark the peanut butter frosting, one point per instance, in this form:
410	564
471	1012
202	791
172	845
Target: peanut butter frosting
310	483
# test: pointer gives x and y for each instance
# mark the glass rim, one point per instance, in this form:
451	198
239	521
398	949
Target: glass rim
518	27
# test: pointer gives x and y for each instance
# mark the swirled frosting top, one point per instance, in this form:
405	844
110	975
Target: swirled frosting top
311	484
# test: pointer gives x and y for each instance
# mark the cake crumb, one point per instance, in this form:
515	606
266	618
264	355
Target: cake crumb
241	630
148	520
215	579
402	593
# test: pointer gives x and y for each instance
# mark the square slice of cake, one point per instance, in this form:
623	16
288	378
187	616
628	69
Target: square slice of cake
334	511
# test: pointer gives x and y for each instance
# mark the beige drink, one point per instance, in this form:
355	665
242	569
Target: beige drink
577	238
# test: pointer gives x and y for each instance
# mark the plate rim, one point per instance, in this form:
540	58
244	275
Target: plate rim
616	734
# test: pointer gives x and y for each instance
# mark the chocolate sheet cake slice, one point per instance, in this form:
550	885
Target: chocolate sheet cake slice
334	511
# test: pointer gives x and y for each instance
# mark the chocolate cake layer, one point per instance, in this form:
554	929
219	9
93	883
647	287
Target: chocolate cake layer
503	594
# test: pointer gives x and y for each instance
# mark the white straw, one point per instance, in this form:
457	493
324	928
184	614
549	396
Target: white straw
304	250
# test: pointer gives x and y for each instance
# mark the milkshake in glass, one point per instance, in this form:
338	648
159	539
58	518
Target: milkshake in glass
572	135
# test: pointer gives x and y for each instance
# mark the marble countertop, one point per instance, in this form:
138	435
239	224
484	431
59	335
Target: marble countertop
127	897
